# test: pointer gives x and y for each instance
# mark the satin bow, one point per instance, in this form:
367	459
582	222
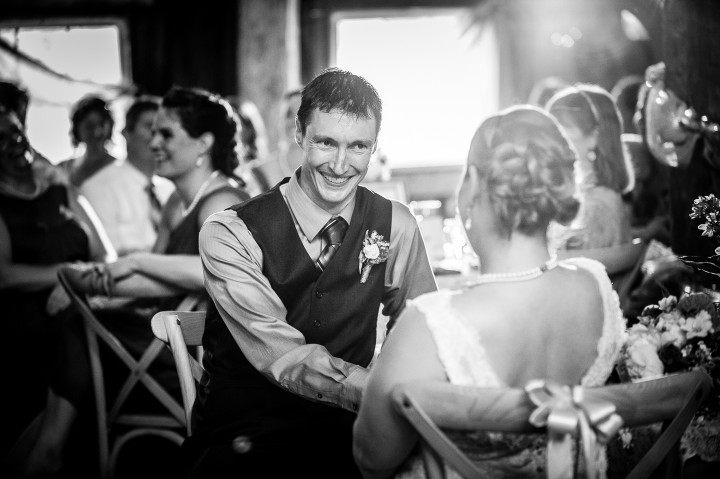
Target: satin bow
567	413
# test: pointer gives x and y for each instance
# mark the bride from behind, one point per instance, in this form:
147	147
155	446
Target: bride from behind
527	316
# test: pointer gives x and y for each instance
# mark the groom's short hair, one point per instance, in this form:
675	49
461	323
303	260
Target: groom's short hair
337	89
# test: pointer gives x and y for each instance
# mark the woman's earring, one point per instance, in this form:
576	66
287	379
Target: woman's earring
592	156
468	220
200	160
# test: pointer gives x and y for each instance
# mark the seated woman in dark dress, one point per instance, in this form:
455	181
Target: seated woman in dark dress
42	227
194	142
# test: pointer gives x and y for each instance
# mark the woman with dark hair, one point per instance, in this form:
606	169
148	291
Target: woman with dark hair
92	126
591	120
194	142
526	316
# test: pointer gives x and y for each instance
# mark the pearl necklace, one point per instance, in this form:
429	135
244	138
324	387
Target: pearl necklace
200	193
516	276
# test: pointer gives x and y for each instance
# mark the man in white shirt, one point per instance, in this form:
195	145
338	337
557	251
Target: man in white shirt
126	196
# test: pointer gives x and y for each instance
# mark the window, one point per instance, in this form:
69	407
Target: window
438	80
75	60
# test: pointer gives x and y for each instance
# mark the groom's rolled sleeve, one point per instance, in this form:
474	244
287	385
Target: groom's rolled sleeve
256	318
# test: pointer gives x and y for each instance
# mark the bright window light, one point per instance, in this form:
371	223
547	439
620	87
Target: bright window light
436	80
88	53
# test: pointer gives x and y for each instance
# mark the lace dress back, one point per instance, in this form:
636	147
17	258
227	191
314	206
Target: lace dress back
462	354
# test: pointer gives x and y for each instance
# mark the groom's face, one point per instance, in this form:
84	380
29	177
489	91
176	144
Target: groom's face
336	153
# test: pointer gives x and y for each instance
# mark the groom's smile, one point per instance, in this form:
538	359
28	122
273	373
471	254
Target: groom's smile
337	149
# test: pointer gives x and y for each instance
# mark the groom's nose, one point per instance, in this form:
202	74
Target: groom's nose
340	164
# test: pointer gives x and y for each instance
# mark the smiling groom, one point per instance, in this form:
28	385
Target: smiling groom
292	325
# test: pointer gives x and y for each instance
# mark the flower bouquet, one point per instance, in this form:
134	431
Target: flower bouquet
677	335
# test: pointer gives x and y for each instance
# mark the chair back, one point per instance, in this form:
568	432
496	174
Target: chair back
115	427
431	407
178	330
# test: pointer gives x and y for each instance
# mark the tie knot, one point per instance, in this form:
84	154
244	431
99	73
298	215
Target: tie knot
334	231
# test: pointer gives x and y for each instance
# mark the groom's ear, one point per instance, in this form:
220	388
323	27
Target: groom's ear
298	133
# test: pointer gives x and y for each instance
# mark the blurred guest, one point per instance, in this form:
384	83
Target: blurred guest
625	94
544	89
91	127
649	205
16	99
253	146
194	142
685	141
290	153
526	316
42	227
126	195
592	122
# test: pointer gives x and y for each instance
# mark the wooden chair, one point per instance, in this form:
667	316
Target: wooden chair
178	330
672	400
115	427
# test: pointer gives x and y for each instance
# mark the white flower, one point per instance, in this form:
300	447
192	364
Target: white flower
665	321
641	332
698	326
674	334
668	303
643	361
371	251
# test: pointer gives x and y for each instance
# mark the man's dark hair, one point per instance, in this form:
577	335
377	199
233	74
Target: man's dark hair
336	89
140	105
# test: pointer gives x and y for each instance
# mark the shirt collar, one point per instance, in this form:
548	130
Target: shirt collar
309	216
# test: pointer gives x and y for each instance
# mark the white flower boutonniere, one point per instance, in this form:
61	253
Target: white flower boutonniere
374	251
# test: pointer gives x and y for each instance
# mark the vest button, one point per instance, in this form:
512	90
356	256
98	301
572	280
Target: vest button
316	323
319	396
319	294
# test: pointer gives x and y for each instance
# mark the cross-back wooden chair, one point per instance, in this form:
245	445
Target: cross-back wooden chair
429	408
178	330
114	426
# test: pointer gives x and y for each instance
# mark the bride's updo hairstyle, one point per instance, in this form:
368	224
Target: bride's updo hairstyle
526	166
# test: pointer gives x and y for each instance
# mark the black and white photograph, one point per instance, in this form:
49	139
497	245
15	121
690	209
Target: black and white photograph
337	239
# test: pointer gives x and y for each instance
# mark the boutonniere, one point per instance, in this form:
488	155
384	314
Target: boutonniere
374	251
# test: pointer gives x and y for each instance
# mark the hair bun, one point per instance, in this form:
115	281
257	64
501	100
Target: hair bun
531	182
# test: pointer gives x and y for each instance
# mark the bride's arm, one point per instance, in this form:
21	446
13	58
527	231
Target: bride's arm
382	438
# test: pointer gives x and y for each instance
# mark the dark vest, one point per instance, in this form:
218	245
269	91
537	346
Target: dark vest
331	308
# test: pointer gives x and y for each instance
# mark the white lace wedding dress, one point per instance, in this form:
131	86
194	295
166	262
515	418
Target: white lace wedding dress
463	356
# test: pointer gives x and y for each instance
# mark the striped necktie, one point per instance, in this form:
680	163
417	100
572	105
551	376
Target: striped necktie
332	235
